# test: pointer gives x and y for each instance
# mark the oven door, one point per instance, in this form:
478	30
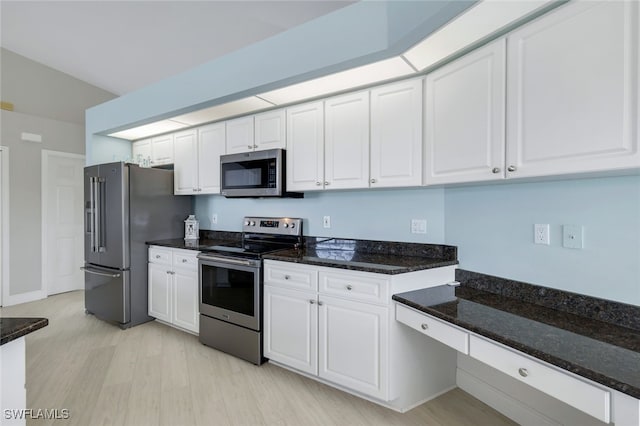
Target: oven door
230	290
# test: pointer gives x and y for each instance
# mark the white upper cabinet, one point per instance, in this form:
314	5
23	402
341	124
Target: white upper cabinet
572	91
305	147
211	145
141	151
240	135
396	134
346	145
162	150
465	118
270	130
197	160
185	169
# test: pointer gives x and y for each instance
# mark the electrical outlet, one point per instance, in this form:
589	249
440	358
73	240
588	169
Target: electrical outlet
214	219
326	221
418	226
541	233
573	236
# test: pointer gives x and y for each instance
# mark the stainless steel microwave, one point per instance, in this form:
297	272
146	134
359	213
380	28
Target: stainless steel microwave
254	174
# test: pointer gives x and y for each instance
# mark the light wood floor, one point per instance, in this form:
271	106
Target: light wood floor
153	374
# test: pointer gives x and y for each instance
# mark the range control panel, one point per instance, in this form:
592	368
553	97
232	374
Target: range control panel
273	225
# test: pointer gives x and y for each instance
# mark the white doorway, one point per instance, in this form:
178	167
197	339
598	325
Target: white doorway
62	221
4	225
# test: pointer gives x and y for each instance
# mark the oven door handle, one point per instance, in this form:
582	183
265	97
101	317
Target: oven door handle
227	260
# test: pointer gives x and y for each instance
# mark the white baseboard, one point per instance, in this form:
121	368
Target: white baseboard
16	299
500	401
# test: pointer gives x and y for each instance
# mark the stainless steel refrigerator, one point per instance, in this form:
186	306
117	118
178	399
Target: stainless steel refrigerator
125	206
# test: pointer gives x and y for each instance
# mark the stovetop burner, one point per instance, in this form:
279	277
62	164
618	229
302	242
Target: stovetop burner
263	235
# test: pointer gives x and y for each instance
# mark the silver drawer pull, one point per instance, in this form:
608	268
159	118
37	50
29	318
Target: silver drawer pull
287	277
424	326
523	372
312	301
320	303
157	256
349	287
184	260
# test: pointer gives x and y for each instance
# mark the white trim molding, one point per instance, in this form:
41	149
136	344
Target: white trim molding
46	154
4	228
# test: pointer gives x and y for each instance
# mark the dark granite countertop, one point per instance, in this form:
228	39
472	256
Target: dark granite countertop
604	352
371	256
14	328
180	243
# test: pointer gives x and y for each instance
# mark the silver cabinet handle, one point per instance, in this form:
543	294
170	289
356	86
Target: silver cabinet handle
184	260
349	287
523	372
255	146
286	277
249	146
91	271
495	170
512	168
327	183
320	303
312	301
373	181
318	183
157	256
424	326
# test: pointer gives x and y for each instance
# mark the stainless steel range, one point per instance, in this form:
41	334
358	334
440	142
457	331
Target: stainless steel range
231	285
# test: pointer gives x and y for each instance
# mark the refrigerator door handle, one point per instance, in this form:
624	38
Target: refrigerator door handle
91	271
92	212
98	214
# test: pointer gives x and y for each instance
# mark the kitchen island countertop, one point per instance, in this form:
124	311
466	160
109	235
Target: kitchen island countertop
14	328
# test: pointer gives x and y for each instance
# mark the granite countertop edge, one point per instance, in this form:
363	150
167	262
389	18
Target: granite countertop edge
373	269
558	362
23	327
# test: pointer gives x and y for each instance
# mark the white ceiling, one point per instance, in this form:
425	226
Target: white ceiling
121	46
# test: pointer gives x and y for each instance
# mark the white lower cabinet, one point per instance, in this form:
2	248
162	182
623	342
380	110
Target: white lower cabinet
337	326
352	341
173	287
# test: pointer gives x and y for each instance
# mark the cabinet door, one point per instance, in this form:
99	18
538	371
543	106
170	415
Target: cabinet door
185	169
572	91
270	130
346	146
353	345
141	152
240	135
291	328
160	292
305	147
396	134
465	118
211	145
162	150
185	298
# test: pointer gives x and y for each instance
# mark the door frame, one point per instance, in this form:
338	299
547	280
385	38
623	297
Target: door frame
46	154
4	226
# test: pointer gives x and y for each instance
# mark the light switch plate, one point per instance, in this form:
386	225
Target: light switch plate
573	236
418	226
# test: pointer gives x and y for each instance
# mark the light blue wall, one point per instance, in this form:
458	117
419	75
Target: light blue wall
365	214
107	149
493	229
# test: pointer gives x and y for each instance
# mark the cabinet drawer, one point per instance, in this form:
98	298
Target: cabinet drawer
159	255
577	393
300	277
185	260
441	331
355	286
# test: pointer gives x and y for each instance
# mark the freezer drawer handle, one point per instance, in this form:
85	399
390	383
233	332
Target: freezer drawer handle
91	271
